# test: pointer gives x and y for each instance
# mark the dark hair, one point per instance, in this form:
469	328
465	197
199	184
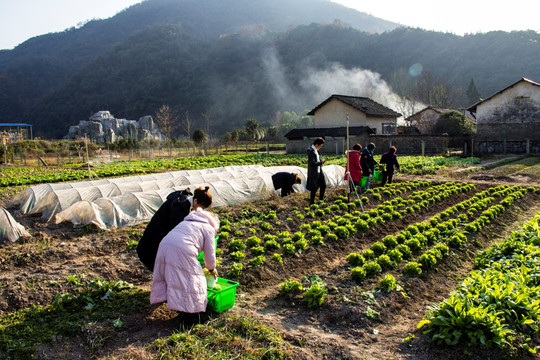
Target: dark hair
297	179
371	146
357	147
203	197
393	149
319	141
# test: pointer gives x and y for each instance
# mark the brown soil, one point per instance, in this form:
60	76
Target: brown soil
34	271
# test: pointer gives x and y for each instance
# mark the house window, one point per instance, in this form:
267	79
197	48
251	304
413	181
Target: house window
388	129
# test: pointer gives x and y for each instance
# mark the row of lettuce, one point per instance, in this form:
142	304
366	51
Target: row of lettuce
10	176
498	305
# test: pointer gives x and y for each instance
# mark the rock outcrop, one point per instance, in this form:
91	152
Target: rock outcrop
103	127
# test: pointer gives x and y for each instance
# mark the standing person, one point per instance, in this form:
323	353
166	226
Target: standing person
315	178
354	167
178	276
368	164
285	182
390	160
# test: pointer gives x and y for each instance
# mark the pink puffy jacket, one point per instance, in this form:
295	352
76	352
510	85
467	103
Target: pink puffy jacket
178	276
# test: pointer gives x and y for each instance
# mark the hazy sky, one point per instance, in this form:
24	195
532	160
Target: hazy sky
23	19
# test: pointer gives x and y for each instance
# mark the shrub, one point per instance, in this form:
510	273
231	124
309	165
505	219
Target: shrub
290	286
413	244
368	254
390	241
412	268
257	261
236	245
315	295
236	270
358	273
288	249
253	241
237	255
388	283
385	262
355	259
297	236
271	245
277	258
342	232
257	250
372	268
301	245
427	260
378	248
395	255
331	237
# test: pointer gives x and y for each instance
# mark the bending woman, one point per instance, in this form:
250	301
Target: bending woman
178	276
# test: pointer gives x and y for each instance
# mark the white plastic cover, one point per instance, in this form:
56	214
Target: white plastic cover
133	200
10	230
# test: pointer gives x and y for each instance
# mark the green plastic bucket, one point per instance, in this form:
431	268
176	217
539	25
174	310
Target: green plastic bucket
377	176
222	298
363	181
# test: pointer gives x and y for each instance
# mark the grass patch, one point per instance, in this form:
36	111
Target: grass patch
67	316
234	337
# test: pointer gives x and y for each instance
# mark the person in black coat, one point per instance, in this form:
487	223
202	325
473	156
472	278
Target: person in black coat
367	162
175	208
285	182
315	178
390	160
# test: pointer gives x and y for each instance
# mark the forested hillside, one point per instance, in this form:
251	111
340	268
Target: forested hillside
238	59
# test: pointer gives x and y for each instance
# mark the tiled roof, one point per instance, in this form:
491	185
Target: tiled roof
363	104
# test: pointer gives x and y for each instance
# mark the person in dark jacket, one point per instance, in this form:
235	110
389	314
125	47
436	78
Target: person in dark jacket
391	163
315	178
285	182
175	208
367	162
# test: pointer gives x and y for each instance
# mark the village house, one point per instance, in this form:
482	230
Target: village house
509	120
364	115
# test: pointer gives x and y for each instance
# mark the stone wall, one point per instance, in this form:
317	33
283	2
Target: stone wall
406	144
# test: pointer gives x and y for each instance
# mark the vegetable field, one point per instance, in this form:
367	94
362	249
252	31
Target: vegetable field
438	265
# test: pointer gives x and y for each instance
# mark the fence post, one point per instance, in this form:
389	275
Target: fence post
465	149
504	146
528	146
267	149
423	148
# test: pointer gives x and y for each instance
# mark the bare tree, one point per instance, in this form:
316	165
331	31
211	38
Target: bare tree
207	115
167	120
187	124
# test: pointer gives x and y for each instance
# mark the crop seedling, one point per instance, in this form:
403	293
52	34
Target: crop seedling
290	286
314	296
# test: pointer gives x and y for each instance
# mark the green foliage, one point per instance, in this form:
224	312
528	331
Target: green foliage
236	270
314	296
412	268
388	283
95	301
358	273
355	259
289	286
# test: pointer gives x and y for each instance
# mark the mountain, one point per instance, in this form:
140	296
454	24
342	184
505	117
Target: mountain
239	59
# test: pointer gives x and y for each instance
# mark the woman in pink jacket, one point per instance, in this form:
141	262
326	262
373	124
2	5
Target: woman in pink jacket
178	276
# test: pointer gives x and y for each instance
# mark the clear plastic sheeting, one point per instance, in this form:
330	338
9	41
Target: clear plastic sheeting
10	230
126	203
